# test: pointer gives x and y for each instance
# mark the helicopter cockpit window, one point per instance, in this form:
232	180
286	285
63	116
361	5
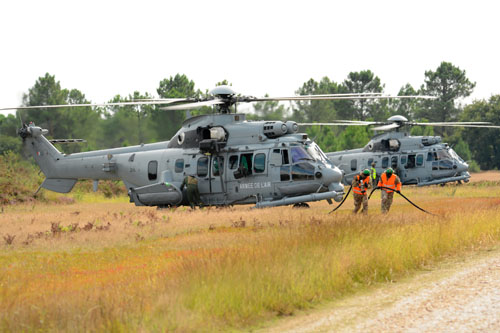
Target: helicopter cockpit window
385	162
202	168
215	165
284	157
152	170
233	162
445	165
443	154
179	165
354	164
303	171
454	155
259	165
300	154
420	160
285	173
316	153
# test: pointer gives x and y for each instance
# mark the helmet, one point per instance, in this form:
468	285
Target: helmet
389	171
366	172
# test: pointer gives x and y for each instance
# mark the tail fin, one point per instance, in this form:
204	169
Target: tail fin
44	153
46	156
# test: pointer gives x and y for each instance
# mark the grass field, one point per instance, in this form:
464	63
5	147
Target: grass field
104	264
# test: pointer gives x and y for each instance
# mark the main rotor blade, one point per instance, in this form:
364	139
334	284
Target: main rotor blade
189	106
459	125
446	123
165	101
330	124
386	127
329	97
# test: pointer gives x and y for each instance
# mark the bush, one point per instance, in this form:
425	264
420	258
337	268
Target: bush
19	179
474	166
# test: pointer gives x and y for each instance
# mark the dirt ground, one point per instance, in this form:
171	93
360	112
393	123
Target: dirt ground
485	176
462	295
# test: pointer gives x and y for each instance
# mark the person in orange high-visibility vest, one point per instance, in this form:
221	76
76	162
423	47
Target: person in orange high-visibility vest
360	184
389	182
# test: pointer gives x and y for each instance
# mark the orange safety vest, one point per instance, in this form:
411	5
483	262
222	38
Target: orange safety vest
357	189
391	182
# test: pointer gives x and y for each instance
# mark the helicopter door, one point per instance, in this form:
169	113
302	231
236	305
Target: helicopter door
209	174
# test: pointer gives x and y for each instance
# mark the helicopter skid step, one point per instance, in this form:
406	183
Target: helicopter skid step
337	196
446	180
161	194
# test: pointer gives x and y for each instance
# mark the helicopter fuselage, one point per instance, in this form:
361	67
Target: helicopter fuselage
419	160
235	162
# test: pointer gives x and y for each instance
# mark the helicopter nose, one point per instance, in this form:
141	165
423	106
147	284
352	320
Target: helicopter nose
331	178
462	166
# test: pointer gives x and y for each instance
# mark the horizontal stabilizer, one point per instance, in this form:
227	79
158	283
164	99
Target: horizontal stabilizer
59	185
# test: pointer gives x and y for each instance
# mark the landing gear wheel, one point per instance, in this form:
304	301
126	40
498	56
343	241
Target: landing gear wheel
301	205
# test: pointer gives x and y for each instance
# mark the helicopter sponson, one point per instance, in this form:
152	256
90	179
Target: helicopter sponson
266	163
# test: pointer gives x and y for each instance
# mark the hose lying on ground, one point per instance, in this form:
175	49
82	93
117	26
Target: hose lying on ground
340	204
401	194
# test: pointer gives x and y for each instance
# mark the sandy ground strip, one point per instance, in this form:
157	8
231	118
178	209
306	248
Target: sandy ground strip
460	296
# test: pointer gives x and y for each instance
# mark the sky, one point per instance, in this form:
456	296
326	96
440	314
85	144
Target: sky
104	48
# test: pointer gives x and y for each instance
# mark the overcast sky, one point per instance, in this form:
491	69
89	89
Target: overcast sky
104	48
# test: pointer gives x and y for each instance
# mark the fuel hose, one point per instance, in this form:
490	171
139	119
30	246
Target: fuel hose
401	194
340	204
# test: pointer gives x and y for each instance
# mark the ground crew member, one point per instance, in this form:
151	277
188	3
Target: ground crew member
388	180
374	173
193	194
360	185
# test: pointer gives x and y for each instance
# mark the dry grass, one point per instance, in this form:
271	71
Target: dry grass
111	266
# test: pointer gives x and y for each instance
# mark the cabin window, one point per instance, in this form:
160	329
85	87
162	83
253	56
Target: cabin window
259	164
420	160
394	162
430	157
354	164
152	170
403	160
233	162
303	171
202	167
215	165
385	162
179	165
370	161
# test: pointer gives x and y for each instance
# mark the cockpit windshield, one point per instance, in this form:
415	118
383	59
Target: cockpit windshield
315	151
454	155
300	154
443	154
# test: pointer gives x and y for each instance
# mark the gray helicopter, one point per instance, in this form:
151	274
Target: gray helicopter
417	160
266	163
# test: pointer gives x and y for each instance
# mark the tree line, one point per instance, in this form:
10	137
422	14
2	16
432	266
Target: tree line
116	126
